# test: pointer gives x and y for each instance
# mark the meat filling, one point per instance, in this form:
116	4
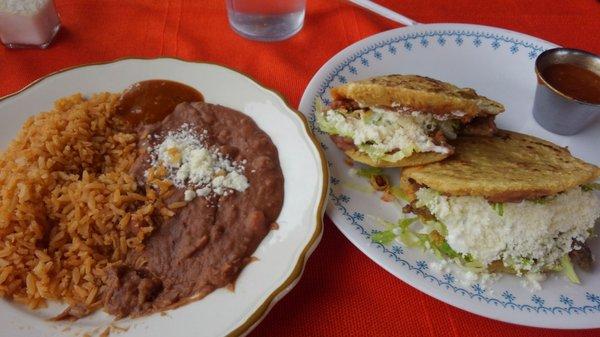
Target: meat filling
581	256
343	143
347	104
480	126
422	212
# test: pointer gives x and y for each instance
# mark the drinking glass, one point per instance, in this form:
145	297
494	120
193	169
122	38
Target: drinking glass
266	20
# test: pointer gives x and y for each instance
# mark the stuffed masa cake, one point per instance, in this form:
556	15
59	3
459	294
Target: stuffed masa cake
404	120
508	203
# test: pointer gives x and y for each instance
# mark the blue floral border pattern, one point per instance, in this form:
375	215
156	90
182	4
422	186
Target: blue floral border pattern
407	43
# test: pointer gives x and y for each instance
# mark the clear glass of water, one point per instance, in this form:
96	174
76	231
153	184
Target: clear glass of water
266	20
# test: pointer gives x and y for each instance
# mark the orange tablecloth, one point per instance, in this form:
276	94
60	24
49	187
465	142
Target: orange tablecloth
342	292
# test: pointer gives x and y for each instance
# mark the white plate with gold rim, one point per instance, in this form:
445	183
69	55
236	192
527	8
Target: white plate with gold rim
498	63
281	255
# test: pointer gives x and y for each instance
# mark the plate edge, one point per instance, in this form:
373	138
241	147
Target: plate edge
305	102
296	273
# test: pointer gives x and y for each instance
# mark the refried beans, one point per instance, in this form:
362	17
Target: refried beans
207	242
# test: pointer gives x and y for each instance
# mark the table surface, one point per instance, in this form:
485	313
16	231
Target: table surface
342	292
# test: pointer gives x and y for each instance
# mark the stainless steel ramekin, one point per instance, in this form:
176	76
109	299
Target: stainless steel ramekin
554	110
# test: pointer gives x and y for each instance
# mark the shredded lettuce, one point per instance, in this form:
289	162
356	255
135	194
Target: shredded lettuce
319	105
329	127
498	208
393	230
357	187
541	201
385	237
438	244
553	267
377	180
472	265
527	261
520	265
404	223
410	239
370	118
398	155
528	265
468	262
450	127
397	192
590	187
568	270
369	172
438	226
434	241
445	248
377	153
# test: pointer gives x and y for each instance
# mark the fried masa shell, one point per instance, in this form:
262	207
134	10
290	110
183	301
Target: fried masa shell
508	167
419	93
418	158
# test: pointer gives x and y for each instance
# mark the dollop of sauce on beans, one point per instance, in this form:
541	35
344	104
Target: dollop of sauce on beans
574	81
150	101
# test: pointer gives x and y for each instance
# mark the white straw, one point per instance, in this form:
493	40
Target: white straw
385	12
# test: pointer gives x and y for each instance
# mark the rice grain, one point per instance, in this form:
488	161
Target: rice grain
68	206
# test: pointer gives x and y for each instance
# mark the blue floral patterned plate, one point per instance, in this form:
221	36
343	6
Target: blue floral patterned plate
499	64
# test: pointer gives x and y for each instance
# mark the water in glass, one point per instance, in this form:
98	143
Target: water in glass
266	20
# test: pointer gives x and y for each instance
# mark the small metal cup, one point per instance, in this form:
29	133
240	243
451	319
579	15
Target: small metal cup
554	110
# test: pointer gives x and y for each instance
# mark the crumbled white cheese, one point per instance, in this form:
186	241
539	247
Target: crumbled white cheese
439	266
464	276
203	192
468	278
486	279
532	281
198	169
189	195
386	131
236	181
543	232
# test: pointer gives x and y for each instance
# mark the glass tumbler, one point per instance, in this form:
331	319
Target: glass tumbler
28	23
266	20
